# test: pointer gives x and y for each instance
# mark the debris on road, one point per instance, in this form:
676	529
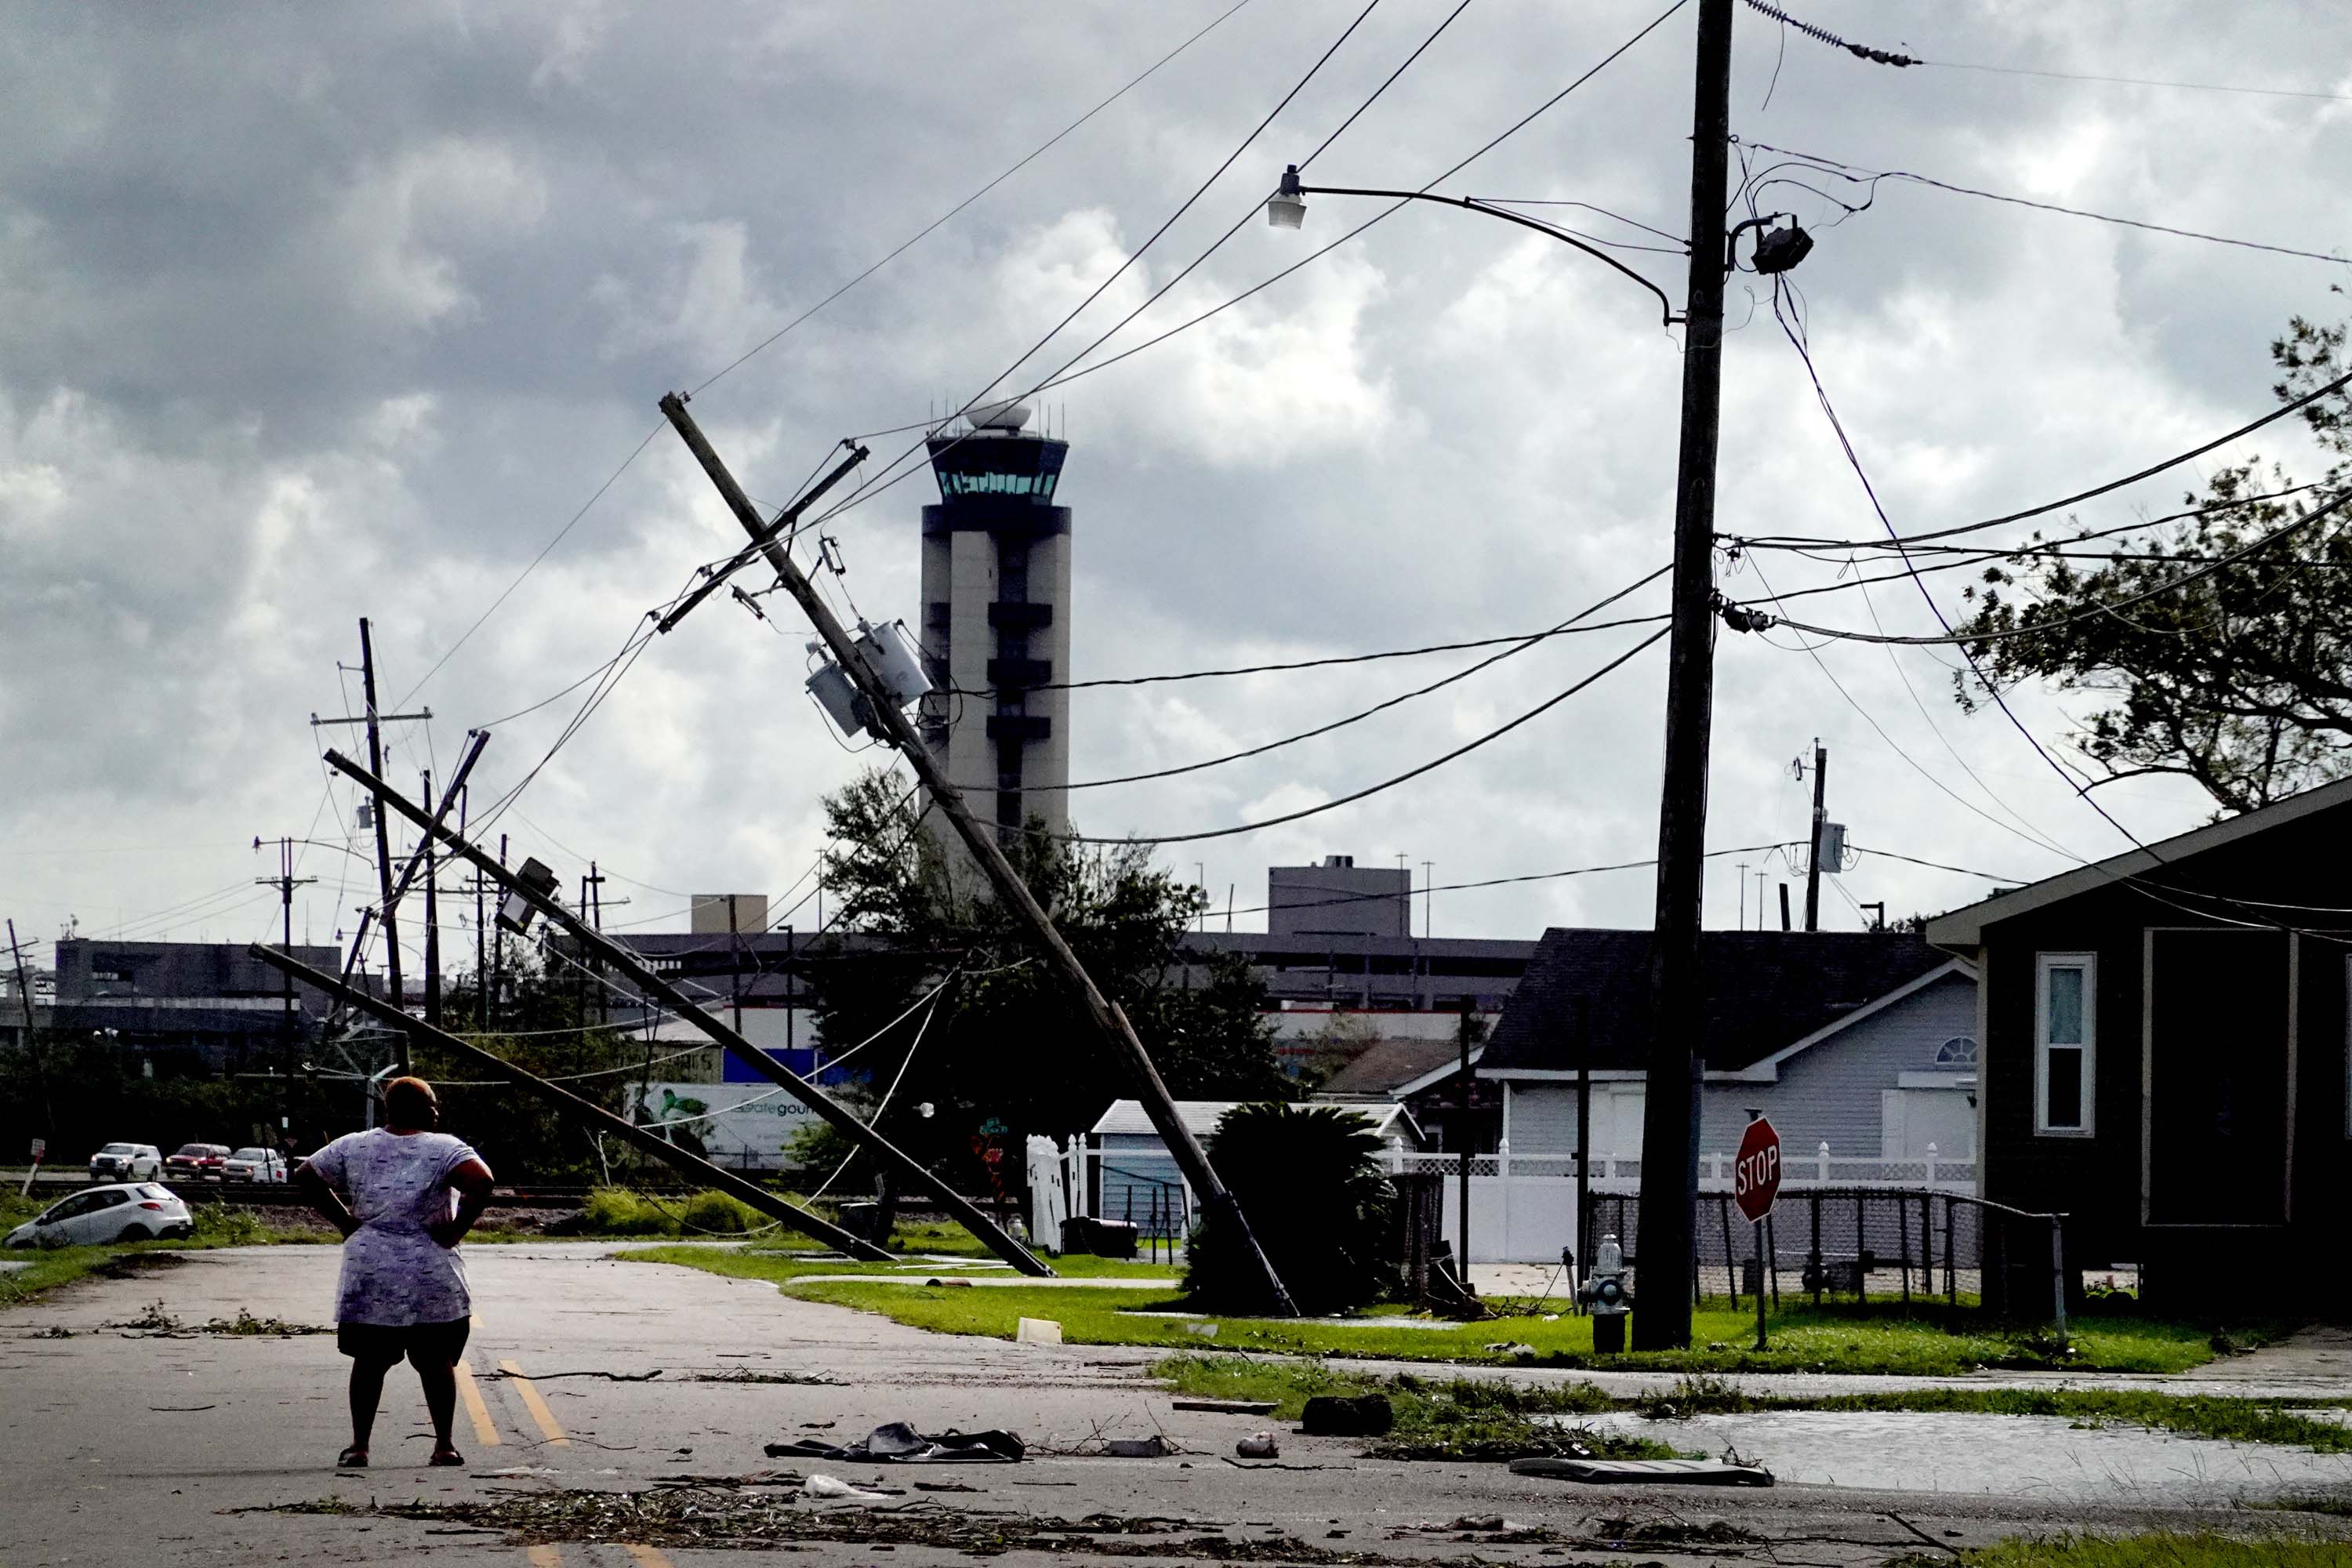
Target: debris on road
1620	1472
1258	1446
833	1488
749	1375
1348	1415
1228	1406
897	1443
1156	1446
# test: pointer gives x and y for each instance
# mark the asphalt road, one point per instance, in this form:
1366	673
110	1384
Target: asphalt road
128	1444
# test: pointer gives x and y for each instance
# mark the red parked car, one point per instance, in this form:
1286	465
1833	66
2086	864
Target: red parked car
196	1163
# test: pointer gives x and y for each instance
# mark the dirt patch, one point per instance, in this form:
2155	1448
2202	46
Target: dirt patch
138	1265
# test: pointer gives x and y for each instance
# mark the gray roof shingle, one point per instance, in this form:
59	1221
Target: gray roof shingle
1590	989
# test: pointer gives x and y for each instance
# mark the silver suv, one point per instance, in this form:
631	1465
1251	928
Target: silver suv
126	1162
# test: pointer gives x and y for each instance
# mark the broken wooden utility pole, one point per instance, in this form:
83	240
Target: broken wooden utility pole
1109	1021
562	1099
888	1154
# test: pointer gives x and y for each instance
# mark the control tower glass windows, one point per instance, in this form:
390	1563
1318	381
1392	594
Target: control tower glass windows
1038	487
998	468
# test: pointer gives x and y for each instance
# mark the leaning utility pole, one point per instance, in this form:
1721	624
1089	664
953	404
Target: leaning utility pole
1108	1020
613	955
376	722
1669	1205
1813	856
694	1166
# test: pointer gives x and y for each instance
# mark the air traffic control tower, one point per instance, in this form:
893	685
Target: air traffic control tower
996	626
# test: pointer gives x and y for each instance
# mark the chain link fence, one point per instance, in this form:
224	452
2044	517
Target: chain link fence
1888	1246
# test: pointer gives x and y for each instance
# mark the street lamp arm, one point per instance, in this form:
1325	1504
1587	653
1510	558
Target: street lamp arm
1665	306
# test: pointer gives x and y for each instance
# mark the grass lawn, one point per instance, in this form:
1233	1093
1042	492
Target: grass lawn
1803	1340
784	1264
1454	1418
2162	1548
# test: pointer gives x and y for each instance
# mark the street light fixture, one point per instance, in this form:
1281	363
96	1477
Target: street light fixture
1286	208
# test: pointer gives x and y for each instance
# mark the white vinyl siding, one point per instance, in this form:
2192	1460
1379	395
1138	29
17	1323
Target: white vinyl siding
2066	1036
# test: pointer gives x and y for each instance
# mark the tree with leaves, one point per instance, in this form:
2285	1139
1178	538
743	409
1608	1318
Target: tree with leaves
985	1035
2214	649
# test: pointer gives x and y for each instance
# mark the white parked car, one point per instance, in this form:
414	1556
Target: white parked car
256	1164
127	1163
127	1211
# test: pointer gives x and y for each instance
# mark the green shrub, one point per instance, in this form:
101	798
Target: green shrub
616	1211
1309	1180
709	1210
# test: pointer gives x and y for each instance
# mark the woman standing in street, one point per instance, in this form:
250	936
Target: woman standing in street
412	1194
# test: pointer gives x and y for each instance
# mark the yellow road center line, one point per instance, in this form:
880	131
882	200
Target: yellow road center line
485	1433
544	1556
540	1414
646	1556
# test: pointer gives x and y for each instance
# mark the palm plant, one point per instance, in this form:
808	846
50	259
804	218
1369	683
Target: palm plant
1308	1178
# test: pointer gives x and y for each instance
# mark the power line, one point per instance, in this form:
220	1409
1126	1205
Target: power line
925	231
1855	174
1067	375
2138	82
2082	791
544	550
1411	774
1381	707
1966	639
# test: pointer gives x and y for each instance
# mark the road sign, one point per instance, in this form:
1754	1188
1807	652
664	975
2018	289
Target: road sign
1756	1177
40	1147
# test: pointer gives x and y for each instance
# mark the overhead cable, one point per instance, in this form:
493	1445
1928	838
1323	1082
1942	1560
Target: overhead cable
1856	174
1039	150
1492	735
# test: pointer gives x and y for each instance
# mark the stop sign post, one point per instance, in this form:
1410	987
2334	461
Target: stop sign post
1755	1184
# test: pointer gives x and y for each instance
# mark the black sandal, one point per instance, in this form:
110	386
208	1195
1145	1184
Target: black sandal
351	1458
446	1456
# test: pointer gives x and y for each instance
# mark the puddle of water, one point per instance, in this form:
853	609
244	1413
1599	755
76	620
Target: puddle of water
2040	1456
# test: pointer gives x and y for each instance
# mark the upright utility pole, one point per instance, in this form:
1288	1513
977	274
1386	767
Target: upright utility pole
432	922
286	881
32	1043
481	940
1670	1116
1813	856
1466	1090
980	843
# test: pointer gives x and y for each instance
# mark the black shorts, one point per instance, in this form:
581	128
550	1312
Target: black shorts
424	1344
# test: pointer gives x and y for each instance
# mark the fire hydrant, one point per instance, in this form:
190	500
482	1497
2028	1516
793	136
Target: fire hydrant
1606	1298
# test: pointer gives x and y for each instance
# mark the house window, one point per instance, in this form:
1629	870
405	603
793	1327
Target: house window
1960	1051
2065	1029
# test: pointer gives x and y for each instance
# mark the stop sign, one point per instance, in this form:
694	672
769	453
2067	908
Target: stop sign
1756	1177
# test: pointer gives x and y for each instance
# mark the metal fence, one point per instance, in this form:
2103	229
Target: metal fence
1890	1247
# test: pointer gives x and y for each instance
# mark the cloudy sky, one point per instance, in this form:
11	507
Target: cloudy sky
310	314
